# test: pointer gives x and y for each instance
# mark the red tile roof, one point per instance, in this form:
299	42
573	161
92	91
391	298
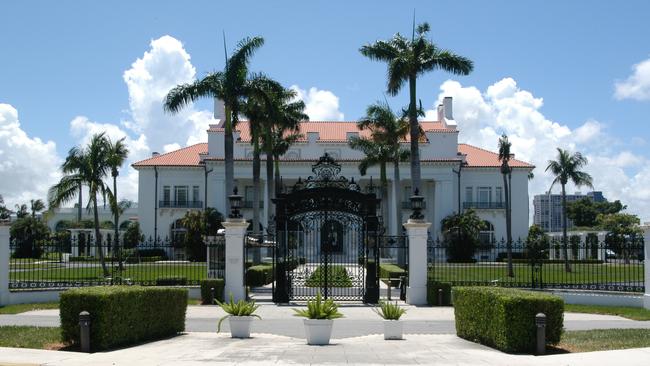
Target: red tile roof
191	156
477	157
332	131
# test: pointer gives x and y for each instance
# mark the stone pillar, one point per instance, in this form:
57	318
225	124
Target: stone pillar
235	231
646	266
4	263
416	292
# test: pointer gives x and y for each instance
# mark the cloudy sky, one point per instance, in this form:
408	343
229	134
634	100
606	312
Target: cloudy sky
548	74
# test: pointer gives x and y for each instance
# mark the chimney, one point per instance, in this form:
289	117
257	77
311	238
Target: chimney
155	154
447	108
313	136
219	110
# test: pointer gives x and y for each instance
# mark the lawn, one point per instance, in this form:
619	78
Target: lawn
552	273
337	276
604	339
21	308
30	337
626	312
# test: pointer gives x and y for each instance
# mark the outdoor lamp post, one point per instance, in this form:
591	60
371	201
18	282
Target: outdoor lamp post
235	204
417	204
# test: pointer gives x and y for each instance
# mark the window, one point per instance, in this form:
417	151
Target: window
248	194
499	194
484	194
468	194
180	195
407	193
166	194
486	235
195	193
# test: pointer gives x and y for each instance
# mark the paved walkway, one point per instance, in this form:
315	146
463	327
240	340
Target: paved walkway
359	320
219	349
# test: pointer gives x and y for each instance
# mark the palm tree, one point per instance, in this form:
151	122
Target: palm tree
116	154
506	171
21	211
408	59
567	169
85	167
388	129
232	86
376	153
282	138
36	206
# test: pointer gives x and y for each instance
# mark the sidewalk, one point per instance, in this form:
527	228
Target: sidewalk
262	349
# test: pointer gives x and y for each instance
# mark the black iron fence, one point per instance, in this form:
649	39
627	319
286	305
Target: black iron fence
80	261
611	265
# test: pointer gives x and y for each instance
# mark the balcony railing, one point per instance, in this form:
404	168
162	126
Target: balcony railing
180	204
484	205
406	205
249	204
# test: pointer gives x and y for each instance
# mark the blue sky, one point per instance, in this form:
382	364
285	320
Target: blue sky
66	59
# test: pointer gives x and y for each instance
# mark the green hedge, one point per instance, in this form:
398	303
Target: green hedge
505	318
337	276
432	293
391	271
259	275
206	292
171	281
123	315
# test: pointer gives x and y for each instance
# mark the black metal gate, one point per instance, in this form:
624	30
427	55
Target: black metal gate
326	238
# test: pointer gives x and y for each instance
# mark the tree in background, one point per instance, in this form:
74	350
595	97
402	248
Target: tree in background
584	212
461	233
198	224
506	172
36	206
623	233
27	234
408	59
567	168
5	213
116	154
132	235
21	211
537	243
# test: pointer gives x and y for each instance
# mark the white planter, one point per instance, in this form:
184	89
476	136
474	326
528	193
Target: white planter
240	326
318	331
393	329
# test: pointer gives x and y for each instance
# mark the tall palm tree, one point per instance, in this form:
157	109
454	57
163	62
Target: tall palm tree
506	171
376	153
567	168
88	167
116	154
21	211
36	206
387	128
408	59
232	86
282	139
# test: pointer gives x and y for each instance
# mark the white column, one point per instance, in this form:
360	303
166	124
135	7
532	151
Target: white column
646	266
235	230
416	292
4	264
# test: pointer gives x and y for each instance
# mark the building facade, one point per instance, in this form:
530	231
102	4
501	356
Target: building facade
548	213
193	177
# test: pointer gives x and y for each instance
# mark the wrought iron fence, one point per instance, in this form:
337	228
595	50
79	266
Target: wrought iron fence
610	265
80	261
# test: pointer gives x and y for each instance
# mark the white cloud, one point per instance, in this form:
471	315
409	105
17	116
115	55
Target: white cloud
28	165
637	85
505	108
320	105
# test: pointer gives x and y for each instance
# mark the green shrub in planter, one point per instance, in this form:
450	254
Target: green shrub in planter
171	281
206	293
432	293
259	275
505	318
123	315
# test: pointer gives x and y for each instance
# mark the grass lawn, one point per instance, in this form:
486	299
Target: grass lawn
31	337
337	276
21	308
604	339
626	312
551	273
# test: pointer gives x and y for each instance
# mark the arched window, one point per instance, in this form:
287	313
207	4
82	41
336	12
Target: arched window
486	235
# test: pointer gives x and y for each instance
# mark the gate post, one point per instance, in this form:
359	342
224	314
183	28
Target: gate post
234	276
416	292
4	263
646	265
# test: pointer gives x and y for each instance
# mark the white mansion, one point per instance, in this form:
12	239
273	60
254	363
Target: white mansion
171	184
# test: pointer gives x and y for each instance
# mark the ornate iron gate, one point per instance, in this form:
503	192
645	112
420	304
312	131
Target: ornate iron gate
326	238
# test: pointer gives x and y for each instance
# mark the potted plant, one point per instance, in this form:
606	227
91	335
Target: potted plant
320	318
240	314
391	312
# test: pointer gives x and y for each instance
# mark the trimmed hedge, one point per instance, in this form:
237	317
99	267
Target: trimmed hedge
505	318
171	281
432	293
206	294
123	315
391	271
259	275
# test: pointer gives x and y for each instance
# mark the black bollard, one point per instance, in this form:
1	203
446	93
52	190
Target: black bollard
214	298
540	323
440	297
84	331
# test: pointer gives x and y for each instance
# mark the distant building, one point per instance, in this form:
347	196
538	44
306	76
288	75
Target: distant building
548	213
